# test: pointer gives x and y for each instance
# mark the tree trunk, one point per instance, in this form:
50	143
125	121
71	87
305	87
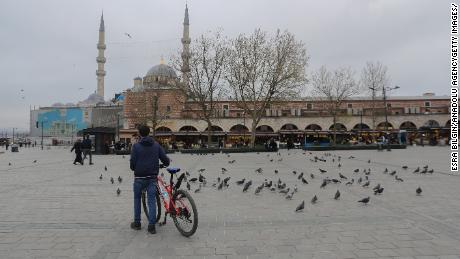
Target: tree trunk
209	133
253	135
334	119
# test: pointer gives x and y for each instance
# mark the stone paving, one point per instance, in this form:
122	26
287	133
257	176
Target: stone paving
53	209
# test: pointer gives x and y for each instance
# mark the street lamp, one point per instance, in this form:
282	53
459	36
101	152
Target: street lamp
384	92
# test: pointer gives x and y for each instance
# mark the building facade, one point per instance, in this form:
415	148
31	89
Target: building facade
176	119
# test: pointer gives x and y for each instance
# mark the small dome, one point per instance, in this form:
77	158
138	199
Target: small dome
93	99
162	70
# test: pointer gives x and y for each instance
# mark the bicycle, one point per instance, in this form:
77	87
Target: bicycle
175	207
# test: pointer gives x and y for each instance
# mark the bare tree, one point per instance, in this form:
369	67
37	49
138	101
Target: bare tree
334	88
150	114
263	69
203	84
374	78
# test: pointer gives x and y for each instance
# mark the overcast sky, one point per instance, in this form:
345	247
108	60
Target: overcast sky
48	47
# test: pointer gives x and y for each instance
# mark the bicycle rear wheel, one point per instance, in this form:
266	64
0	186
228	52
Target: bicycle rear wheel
186	219
146	208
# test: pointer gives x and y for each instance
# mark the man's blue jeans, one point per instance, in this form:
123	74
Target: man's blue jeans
151	186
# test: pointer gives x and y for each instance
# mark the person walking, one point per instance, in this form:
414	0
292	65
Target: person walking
86	145
77	147
145	156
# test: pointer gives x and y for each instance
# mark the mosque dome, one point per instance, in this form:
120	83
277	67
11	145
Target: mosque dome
162	70
93	99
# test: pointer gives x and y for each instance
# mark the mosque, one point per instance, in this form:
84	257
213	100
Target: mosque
155	100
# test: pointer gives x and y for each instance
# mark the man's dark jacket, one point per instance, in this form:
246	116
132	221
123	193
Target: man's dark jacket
144	158
86	144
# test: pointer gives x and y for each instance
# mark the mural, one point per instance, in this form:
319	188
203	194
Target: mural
63	122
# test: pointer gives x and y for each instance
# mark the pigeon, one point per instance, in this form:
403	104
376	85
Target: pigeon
430	171
294	172
35	161
259	170
120	179
369	161
118	191
378	191
393	173
366	184
312	176
300	176
284	191
225	181
349	183
100	177
343	176
365	200
356	170
322	170
418	190
231	161
351	157
220	185
188	186
386	171
246	186
240	182
276	171
376	187
304	181
199	189
258	189
337	195
194	179
425	167
201	170
339	165
405	167
201	178
268	185
398	179
224	170
105	168
300	207
314	200
323	184
417	170
111	180
360	180
271	160
9	164
335	181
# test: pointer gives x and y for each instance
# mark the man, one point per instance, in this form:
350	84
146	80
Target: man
86	145
77	148
144	162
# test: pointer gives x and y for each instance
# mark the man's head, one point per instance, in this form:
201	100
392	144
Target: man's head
144	130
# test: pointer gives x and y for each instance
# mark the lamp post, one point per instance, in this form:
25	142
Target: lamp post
384	92
13	136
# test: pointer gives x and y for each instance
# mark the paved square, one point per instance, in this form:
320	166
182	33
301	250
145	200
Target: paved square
53	209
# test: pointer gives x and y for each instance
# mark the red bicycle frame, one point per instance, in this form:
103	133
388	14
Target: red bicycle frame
169	205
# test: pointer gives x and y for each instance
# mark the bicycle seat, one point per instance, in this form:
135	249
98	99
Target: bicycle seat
173	170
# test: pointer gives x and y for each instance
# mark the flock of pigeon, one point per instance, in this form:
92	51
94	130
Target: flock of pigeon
358	177
113	180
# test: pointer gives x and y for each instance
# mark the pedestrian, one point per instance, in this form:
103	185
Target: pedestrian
7	144
77	148
144	162
86	146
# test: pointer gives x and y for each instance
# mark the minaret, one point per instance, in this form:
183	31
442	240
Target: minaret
100	72
185	48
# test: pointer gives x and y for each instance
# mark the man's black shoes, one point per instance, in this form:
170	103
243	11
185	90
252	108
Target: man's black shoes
136	225
152	229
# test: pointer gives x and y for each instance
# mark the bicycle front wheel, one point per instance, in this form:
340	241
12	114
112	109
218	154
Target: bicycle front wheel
146	208
186	218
